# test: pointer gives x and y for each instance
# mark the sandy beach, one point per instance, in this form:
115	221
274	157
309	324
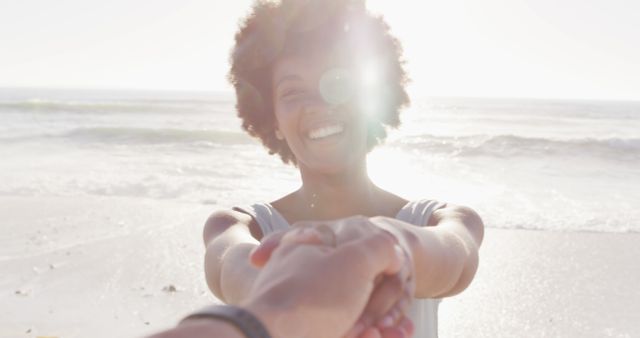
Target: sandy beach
119	267
124	125
549	284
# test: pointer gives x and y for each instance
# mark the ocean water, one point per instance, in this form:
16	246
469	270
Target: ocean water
526	164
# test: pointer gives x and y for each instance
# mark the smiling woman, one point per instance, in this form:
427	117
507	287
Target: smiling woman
344	37
318	82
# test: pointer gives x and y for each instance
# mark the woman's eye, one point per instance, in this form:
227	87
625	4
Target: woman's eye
292	93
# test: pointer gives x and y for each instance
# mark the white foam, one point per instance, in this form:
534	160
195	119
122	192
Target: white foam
519	164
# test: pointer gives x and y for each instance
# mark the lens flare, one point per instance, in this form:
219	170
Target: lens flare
337	86
370	73
362	86
373	92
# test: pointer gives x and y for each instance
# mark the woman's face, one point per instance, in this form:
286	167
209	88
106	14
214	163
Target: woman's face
316	115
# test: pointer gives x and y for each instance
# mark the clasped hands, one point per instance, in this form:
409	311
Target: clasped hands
382	313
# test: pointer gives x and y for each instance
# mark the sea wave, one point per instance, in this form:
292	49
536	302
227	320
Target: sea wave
119	135
108	106
512	145
596	225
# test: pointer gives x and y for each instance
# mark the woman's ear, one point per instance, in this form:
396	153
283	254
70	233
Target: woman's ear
279	135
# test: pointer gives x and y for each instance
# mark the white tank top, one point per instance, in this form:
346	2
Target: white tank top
424	312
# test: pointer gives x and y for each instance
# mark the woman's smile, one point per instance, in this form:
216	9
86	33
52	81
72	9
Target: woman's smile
326	129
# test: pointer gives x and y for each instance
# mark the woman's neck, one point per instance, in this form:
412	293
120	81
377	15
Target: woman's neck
331	196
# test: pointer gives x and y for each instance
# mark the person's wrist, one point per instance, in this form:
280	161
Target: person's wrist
407	240
248	324
209	327
278	317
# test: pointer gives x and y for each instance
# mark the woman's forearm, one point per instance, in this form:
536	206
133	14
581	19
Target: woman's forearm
228	272
237	274
445	256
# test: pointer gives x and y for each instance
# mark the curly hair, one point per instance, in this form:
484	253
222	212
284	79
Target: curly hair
342	28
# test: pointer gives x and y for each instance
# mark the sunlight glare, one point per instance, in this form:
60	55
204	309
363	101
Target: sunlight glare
370	73
392	169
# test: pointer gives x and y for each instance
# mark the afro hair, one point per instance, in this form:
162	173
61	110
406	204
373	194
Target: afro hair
342	28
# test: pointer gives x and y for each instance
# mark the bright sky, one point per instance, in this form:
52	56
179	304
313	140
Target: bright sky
498	48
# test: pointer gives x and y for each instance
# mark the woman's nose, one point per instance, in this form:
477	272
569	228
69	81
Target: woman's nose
318	106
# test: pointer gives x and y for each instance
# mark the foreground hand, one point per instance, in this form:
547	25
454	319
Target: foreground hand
385	313
304	291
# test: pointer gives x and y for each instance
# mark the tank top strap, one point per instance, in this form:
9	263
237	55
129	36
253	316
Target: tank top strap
267	217
424	312
418	212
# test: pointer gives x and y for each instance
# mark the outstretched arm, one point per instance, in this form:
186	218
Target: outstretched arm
445	251
304	292
229	238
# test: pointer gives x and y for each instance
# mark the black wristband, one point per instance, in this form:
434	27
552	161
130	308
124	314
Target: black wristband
242	319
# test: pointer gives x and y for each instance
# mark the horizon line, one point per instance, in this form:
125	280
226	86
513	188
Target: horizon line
231	93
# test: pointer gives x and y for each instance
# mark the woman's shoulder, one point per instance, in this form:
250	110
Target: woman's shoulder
223	219
419	211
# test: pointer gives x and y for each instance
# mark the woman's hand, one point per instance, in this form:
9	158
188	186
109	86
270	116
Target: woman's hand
304	291
309	293
385	313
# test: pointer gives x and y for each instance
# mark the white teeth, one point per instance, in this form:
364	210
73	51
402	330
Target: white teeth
325	131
